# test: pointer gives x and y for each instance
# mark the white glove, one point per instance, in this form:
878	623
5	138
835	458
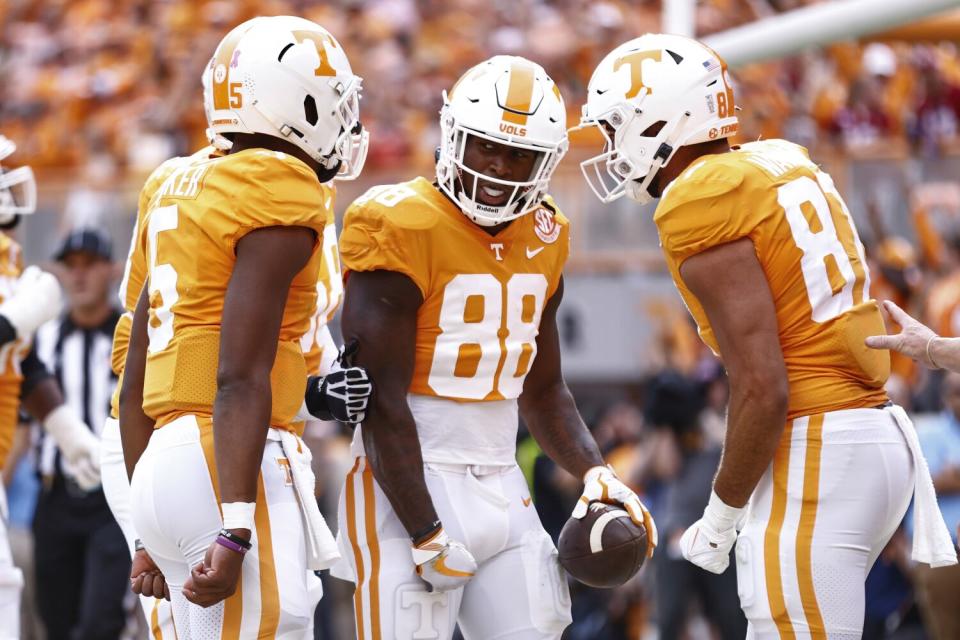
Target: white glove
444	564
80	447
36	300
601	484
707	542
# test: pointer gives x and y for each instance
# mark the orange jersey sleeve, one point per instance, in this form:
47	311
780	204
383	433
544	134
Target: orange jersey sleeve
12	353
483	295
189	239
807	244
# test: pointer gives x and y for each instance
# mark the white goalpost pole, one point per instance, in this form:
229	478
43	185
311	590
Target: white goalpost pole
816	25
680	17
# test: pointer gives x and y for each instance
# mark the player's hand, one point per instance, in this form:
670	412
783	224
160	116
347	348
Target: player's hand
444	564
913	339
36	300
707	542
216	578
342	395
146	579
79	446
601	484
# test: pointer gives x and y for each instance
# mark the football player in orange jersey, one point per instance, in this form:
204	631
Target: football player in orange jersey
233	250
818	467
452	293
28	298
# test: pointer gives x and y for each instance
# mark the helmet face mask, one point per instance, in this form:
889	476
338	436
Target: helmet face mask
656	80
289	78
483	109
18	188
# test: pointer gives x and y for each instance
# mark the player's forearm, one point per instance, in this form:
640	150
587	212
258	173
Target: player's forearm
241	418
135	426
553	420
393	452
755	423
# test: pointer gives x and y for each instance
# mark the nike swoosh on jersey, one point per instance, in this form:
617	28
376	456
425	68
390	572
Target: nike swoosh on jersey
526	501
531	253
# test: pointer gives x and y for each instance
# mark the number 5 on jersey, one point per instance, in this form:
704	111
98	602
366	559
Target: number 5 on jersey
162	282
488	335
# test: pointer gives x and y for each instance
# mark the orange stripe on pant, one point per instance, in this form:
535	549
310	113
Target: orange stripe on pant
370	518
771	537
351	500
808	517
269	590
232	606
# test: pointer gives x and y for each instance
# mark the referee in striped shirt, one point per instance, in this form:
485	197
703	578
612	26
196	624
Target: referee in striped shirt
81	558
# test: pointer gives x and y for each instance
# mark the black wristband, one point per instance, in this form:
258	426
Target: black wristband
234	538
426	533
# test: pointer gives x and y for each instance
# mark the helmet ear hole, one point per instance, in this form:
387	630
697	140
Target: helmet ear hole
310	110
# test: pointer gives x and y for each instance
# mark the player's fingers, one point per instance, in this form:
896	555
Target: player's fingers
136	584
898	315
635	510
880	342
580	509
653	536
157	585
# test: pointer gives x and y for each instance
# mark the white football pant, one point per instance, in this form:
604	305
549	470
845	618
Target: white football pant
116	488
11	580
176	511
836	491
519	591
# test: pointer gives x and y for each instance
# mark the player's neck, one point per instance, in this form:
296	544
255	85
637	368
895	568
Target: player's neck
242	142
684	157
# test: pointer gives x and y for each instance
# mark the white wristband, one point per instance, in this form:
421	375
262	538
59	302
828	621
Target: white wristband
238	515
720	514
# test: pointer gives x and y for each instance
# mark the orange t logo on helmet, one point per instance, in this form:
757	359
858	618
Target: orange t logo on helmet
324	68
635	60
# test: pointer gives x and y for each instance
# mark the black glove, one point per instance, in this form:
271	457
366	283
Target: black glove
341	395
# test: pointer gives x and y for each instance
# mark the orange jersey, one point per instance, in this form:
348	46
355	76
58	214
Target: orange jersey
12	353
317	344
189	239
807	244
135	270
483	295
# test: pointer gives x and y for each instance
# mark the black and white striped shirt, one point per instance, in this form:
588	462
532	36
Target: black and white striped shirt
80	360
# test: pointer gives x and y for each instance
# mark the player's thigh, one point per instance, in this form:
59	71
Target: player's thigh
526	588
389	600
174	506
829	502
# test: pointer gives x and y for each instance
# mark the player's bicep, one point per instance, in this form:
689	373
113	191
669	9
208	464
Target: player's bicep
267	261
732	288
380	313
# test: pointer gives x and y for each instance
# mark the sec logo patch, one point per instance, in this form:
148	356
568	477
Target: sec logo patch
545	226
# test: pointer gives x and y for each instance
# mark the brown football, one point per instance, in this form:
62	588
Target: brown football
605	548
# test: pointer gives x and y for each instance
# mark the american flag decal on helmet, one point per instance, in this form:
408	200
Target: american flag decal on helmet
711	65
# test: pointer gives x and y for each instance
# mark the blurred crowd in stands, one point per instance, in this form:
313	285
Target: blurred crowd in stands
98	92
101	86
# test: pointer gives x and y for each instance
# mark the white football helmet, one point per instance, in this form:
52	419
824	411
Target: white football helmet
511	101
656	78
18	187
289	77
216	140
